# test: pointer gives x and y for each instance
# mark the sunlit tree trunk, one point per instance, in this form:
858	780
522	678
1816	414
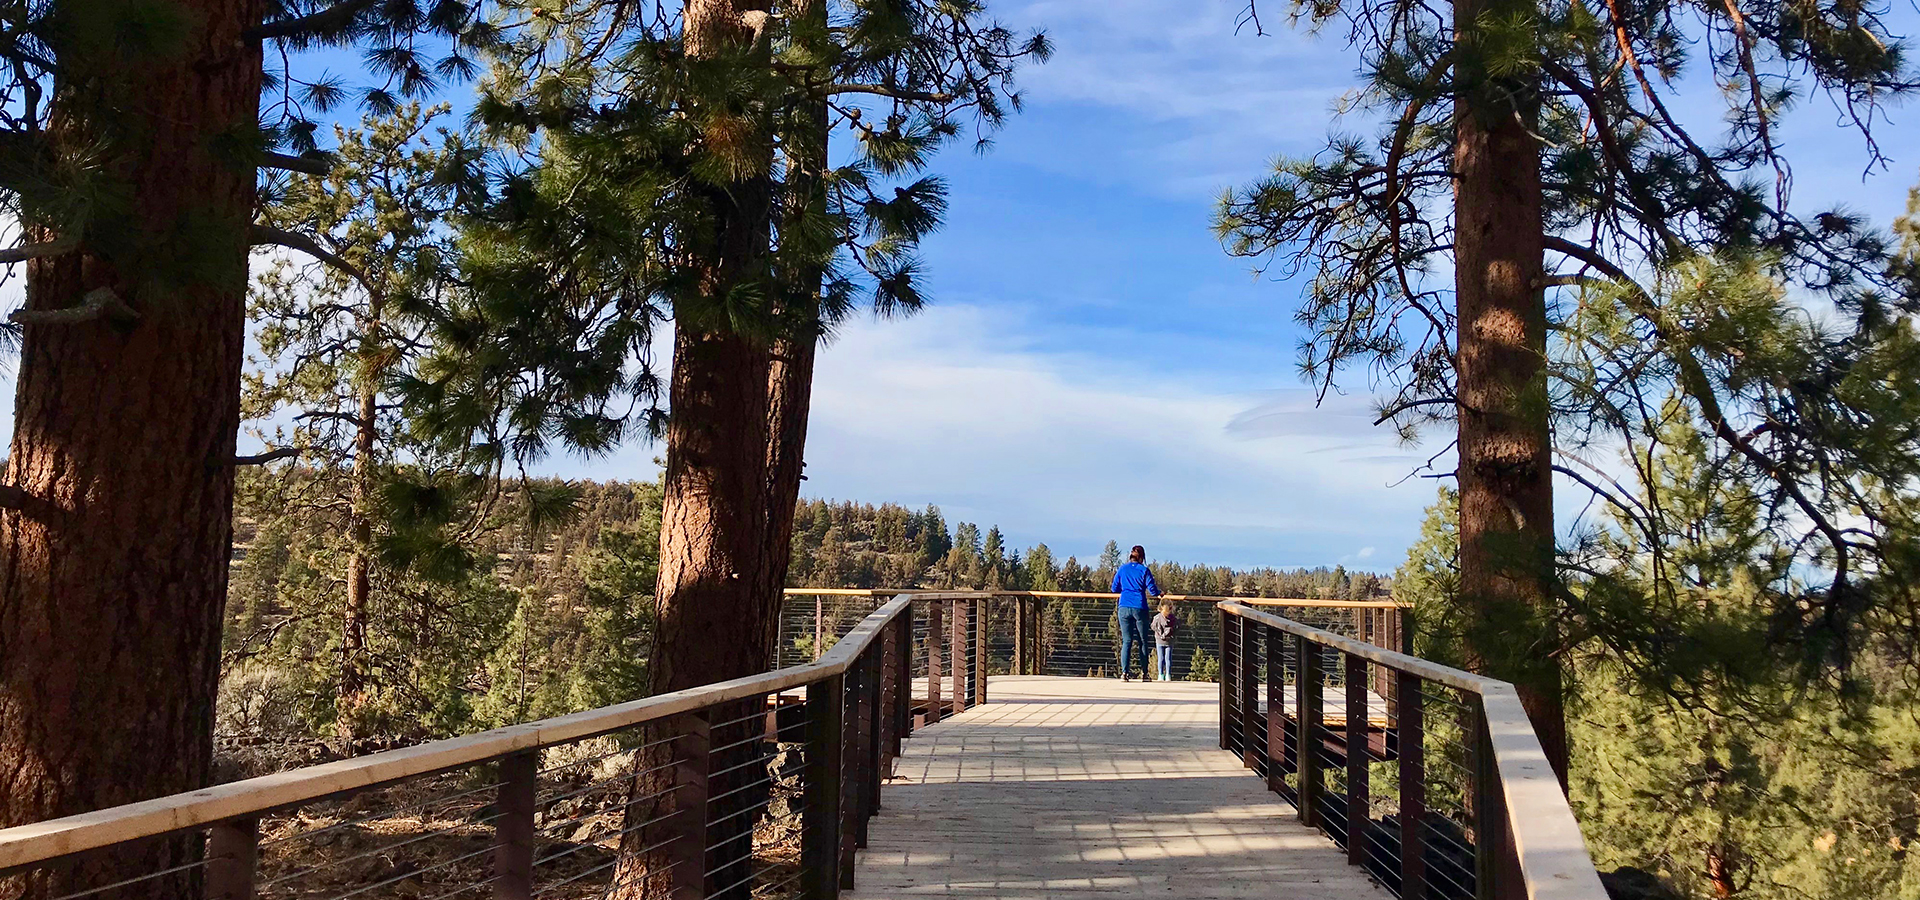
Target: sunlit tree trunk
1505	468
351	692
113	564
790	381
717	606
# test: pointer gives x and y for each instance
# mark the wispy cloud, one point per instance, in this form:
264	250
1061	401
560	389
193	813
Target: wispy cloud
1189	105
1076	449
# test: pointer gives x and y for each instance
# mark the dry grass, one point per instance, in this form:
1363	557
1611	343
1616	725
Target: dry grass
432	838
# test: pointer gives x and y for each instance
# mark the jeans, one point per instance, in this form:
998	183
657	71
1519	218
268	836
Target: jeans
1136	629
1166	661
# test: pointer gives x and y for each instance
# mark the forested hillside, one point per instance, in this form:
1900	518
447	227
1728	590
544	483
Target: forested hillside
848	544
503	602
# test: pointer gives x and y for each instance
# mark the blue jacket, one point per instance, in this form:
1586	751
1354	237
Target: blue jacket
1133	582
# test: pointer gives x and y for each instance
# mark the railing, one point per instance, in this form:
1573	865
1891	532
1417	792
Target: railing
1429	777
1076	634
759	787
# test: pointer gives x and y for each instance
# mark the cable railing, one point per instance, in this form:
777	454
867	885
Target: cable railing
1077	634
758	787
762	787
1430	778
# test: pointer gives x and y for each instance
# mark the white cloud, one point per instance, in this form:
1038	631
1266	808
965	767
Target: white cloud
951	408
1200	106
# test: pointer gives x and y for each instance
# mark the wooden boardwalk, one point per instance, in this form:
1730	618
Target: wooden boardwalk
1091	788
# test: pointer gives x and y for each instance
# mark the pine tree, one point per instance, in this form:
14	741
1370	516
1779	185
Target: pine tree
131	147
332	336
1041	573
1539	120
1429	581
934	539
966	539
747	250
1075	577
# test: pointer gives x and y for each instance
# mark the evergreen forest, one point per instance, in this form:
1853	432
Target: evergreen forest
317	307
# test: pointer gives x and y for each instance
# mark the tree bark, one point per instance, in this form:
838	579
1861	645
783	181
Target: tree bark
1505	469
353	626
717	600
113	575
790	381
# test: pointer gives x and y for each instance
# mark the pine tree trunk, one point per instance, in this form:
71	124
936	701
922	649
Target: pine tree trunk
353	625
717	603
716	607
1505	468
113	573
790	383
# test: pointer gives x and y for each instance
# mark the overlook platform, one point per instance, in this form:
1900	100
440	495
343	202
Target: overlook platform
1091	788
899	763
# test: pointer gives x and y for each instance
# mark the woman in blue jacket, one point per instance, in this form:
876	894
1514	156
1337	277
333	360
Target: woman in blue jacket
1134	583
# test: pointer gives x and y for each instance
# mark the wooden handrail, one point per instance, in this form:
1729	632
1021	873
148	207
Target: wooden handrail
25	845
1553	858
924	593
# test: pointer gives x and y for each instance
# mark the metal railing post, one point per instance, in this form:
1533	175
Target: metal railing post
903	680
820	816
876	724
1249	757
691	747
1222	678
1020	636
981	614
957	652
1306	704
819	626
1358	789
936	638
233	856
865	747
513	833
1495	865
1279	754
888	709
1039	613
853	779
1411	733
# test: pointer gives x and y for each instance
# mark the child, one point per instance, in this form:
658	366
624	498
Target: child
1165	626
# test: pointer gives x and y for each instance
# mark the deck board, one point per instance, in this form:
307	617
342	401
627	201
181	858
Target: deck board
1091	788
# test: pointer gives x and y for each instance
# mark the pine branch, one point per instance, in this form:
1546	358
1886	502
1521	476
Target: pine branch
16	498
38	251
1593	258
270	456
1746	42
305	165
98	302
893	92
1570	281
1399	408
333	18
1693	381
349	418
1610	147
265	235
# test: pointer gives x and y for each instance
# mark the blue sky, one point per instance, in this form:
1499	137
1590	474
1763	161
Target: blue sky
1094	367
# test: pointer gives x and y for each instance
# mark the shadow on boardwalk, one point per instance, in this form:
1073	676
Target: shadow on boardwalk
1075	787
